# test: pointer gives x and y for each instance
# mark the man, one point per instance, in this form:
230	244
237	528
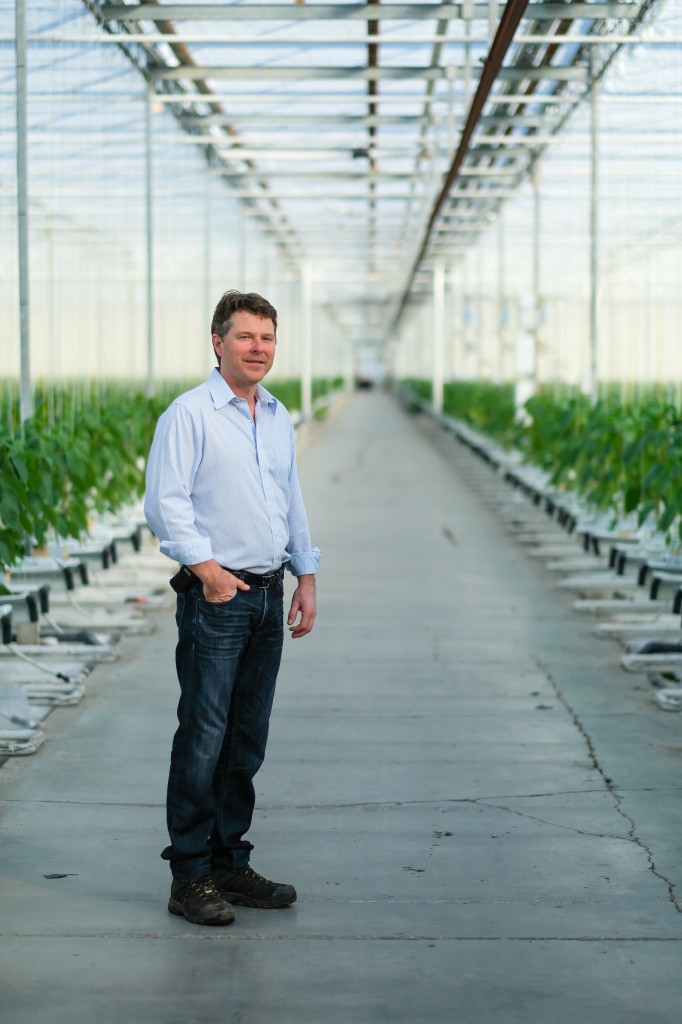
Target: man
224	500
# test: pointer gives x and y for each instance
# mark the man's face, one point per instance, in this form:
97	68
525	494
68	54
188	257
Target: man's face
247	351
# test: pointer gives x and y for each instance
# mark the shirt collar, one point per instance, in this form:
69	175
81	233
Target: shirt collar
222	393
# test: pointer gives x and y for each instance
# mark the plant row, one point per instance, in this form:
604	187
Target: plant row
619	455
82	453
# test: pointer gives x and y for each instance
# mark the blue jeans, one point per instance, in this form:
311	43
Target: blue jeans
227	659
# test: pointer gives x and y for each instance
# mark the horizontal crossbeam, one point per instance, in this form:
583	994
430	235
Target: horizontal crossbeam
363	12
371	74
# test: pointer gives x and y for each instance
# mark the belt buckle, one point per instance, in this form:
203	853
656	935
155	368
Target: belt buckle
270	579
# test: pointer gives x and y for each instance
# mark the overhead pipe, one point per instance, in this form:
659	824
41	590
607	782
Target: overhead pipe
509	22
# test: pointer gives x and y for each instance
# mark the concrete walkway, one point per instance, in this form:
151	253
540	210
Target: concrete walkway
479	809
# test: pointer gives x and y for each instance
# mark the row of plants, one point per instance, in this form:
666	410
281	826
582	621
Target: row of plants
488	408
621	454
83	452
288	392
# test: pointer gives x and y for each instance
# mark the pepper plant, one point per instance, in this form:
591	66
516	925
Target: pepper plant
619	454
84	451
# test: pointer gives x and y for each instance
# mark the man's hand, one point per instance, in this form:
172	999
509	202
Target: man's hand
303	603
218	584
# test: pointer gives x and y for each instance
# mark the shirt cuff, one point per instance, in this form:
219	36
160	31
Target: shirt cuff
186	554
304	563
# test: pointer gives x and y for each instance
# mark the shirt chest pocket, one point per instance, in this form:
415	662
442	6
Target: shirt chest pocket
278	463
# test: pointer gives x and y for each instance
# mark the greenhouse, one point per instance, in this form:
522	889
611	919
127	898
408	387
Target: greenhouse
467	219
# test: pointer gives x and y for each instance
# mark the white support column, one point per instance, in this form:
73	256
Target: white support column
149	228
208	297
594	239
468	71
241	248
26	389
451	74
455	320
537	296
306	341
493	19
482	354
438	378
501	308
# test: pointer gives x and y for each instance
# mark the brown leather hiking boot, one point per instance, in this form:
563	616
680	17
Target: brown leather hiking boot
247	887
200	902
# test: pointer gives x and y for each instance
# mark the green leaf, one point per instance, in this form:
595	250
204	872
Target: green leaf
667	518
632	497
19	465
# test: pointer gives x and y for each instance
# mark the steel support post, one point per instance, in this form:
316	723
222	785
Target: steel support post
501	311
438	377
493	19
537	297
594	238
306	340
149	233
26	390
468	71
208	298
451	75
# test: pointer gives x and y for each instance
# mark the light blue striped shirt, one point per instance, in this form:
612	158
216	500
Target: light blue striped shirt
221	485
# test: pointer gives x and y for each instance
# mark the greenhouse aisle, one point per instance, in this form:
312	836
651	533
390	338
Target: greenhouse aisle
479	809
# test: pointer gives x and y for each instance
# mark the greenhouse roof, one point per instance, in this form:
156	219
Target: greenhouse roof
369	141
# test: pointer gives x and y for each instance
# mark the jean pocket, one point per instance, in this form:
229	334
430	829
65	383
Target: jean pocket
218	604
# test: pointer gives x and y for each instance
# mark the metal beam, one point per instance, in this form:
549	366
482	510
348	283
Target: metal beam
363	12
362	73
487	173
319	98
149	238
513	120
265	42
26	387
313	120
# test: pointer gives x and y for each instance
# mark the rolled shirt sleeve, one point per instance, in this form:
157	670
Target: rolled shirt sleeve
304	559
171	468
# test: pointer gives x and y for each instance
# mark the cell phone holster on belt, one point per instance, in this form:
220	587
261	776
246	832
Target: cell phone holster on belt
183	579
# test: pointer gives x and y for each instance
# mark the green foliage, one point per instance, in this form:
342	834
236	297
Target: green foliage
486	407
620	456
288	392
83	452
422	388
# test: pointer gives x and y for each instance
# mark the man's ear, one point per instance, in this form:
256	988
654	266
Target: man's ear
216	341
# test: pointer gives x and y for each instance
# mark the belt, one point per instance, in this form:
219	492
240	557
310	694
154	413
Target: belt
270	579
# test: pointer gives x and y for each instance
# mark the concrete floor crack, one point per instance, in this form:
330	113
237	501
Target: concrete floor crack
544	821
633	835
